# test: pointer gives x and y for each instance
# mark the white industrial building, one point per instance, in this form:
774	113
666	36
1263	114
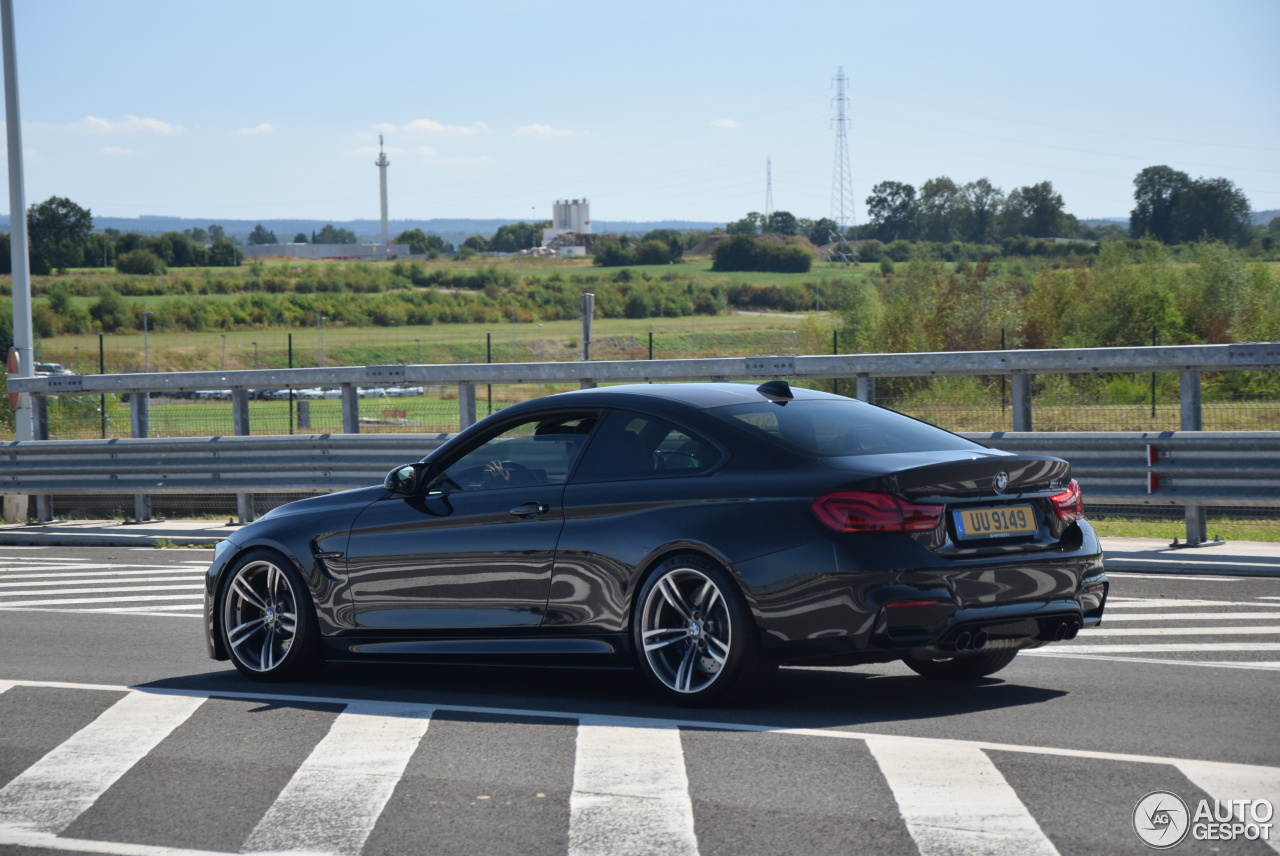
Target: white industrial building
569	218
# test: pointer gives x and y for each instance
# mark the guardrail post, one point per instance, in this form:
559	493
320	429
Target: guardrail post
350	409
40	431
865	389
587	384
304	415
240	425
466	405
140	426
1193	420
1021	401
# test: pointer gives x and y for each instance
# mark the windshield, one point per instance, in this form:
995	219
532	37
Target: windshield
831	428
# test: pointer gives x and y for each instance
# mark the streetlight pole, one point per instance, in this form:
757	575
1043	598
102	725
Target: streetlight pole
146	353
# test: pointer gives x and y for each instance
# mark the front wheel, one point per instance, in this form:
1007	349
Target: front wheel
962	668
266	619
694	638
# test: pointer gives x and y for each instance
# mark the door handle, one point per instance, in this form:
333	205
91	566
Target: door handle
529	510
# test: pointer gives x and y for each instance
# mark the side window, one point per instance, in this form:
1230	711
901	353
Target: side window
537	452
631	446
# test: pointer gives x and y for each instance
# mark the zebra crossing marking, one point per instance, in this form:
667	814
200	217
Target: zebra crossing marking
984	816
1261	665
1194	616
1179	631
346	780
630	788
630	792
53	792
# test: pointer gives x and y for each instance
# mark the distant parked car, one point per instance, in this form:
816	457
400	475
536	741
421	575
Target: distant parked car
46	369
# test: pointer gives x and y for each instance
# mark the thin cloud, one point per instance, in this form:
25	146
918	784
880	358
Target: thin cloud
432	128
116	151
725	123
127	125
264	128
546	132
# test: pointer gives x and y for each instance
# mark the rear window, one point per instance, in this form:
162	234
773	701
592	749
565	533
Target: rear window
830	428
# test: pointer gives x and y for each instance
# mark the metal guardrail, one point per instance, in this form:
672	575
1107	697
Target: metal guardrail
1189	469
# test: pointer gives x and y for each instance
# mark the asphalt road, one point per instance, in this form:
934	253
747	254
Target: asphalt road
118	736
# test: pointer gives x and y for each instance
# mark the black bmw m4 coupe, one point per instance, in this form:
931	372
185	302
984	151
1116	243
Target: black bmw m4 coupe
702	534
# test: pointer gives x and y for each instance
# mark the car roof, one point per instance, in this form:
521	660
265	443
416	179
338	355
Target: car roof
700	395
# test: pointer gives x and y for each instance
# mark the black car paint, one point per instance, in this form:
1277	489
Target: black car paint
817	595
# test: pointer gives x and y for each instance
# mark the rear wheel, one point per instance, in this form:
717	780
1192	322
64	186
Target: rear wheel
266	619
960	668
694	637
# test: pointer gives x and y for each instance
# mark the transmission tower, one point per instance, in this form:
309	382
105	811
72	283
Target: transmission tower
842	176
768	189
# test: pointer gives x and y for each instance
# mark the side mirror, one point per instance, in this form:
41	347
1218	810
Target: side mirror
405	480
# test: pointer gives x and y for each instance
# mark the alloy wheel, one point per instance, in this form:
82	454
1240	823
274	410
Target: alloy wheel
686	630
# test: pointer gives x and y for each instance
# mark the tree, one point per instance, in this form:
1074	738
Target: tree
216	232
140	262
477	244
782	223
824	231
981	208
514	237
748	225
891	209
223	253
262	235
200	236
1156	193
1274	225
672	240
1212	209
1034	211
938	210
331	234
300	238
110	310
57	229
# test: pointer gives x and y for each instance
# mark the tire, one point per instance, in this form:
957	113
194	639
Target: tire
962	668
266	619
694	638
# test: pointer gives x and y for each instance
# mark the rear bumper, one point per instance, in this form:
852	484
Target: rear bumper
936	608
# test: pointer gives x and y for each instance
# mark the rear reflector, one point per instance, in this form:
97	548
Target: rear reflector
1069	505
895	604
872	511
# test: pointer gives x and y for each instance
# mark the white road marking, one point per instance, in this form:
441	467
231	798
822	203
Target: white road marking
1198	562
1175	647
392	708
1172	603
1180	631
1193	616
121	610
982	815
1235	784
71	600
83	575
54	791
112	848
630	792
334	799
1199	578
1257	665
114	583
5	597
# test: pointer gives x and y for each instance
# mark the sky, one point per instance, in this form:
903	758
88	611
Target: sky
652	111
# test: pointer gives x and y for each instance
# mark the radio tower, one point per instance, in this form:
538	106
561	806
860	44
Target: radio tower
842	177
768	191
382	163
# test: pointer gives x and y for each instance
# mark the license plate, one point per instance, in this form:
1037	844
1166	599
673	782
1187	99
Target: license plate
995	522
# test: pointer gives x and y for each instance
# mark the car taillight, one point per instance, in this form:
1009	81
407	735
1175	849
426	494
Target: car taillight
1069	505
872	511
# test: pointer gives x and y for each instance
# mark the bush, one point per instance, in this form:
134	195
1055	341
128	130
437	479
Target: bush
140	262
745	253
